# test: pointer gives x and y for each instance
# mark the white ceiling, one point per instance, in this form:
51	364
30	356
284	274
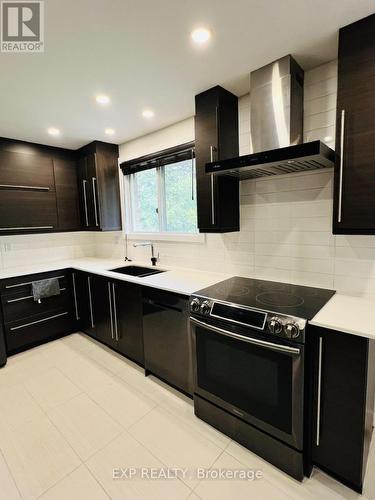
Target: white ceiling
139	52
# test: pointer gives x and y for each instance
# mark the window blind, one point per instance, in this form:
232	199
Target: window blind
159	159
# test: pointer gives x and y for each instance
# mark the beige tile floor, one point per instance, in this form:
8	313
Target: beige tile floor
71	411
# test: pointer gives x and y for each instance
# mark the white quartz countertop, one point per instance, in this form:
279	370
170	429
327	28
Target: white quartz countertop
177	280
344	313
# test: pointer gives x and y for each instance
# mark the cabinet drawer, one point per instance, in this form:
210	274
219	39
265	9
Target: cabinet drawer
22	284
26	171
22	334
19	306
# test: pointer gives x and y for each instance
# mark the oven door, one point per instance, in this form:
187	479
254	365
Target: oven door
256	379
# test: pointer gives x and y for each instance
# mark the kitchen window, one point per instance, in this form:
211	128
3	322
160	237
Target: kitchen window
160	192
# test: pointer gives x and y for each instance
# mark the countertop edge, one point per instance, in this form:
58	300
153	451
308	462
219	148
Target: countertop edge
342	330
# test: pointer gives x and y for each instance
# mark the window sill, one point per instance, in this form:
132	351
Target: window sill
178	237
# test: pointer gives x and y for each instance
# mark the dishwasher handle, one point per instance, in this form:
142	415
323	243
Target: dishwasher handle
167	307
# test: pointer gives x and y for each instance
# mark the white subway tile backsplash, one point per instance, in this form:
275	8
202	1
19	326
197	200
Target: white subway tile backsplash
273	224
274	261
312	279
319	105
312	251
320	120
354	267
354	241
325	134
355	286
311	224
272	274
321	88
278	249
19	250
322	238
320	266
321	73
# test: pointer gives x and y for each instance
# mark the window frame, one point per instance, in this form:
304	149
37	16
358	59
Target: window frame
128	194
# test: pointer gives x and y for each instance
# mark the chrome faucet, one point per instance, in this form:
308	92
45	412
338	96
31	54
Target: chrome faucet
148	244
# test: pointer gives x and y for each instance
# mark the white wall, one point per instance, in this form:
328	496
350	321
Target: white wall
285	220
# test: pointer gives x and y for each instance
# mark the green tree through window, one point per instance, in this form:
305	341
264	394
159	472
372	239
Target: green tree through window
163	199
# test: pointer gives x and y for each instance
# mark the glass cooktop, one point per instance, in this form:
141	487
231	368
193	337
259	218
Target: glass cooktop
283	298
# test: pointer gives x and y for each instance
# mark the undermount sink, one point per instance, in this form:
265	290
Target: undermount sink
140	272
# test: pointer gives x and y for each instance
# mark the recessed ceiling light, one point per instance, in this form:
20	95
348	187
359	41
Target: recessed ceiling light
328	138
53	131
109	131
148	113
200	36
102	99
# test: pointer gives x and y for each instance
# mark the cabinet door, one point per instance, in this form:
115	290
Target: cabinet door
27	193
86	194
206	150
216	137
103	310
127	312
26	170
339	403
99	167
166	337
67	194
27	210
354	200
93	201
84	313
3	351
108	188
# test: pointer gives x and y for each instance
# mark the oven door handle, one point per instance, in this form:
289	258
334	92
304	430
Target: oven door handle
250	340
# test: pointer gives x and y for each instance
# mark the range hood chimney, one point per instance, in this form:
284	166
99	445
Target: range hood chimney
276	127
276	105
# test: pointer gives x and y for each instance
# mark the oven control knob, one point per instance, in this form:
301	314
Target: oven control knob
291	330
195	305
205	307
275	325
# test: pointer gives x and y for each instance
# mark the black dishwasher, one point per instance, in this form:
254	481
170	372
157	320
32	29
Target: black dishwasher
166	337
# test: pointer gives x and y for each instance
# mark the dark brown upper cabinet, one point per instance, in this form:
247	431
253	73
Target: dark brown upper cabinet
354	181
216	137
67	200
38	188
99	187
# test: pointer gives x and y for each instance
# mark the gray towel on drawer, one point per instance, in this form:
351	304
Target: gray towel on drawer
45	288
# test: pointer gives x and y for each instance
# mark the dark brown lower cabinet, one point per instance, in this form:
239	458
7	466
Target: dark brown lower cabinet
83	302
3	351
127	307
118	316
166	337
343	403
26	322
101	309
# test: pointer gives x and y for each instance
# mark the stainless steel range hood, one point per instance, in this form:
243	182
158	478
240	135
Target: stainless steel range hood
276	127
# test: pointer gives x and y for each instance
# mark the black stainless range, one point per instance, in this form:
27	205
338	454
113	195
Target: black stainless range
249	363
